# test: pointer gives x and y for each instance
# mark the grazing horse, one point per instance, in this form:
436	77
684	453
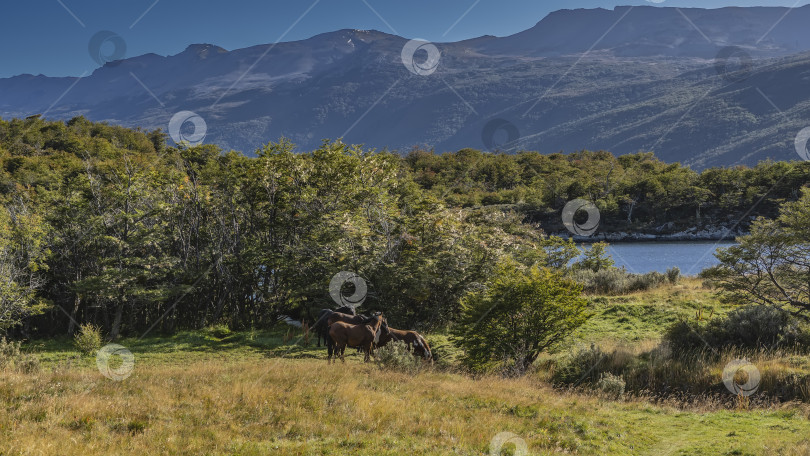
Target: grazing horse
364	335
411	338
321	326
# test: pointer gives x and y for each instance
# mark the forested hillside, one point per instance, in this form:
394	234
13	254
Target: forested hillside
108	225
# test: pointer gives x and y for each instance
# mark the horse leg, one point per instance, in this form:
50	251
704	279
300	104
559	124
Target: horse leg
342	350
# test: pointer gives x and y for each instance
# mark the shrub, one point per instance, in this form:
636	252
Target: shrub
759	326
648	281
395	355
617	281
28	364
673	275
9	353
688	336
611	385
581	366
11	356
595	258
88	339
219	331
521	313
754	327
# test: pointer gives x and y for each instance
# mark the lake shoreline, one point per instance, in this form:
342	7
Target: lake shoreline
690	235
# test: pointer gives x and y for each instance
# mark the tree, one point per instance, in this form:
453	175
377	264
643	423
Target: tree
22	260
595	258
518	315
771	265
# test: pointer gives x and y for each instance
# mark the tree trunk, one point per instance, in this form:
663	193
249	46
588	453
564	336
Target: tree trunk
72	322
116	325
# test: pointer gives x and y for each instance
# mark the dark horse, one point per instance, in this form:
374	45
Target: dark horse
411	339
364	335
321	326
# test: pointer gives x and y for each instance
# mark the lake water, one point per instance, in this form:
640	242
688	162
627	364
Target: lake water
690	257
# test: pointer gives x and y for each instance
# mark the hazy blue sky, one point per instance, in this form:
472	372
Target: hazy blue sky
51	36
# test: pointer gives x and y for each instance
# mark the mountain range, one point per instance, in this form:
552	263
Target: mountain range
705	87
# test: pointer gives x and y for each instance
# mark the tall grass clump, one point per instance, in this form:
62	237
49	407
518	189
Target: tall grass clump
396	356
13	358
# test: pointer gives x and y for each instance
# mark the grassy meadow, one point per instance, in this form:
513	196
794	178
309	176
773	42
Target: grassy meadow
255	393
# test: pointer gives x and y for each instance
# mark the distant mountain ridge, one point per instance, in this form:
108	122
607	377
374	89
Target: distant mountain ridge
647	31
649	81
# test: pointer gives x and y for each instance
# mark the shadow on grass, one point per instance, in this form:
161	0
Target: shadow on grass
266	343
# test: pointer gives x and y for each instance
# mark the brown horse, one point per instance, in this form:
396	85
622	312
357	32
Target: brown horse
411	338
364	335
335	317
321	326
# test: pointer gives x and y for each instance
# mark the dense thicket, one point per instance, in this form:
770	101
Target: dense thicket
635	192
107	225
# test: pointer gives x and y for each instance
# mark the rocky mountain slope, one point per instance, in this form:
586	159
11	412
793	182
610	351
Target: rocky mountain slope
704	87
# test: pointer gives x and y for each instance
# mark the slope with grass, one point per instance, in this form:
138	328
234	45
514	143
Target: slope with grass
266	392
187	402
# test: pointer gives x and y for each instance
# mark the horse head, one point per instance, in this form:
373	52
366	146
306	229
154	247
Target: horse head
379	325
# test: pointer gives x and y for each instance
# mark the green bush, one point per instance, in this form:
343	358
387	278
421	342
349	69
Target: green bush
395	356
754	326
688	336
674	275
521	313
648	281
88	339
9	353
617	281
219	331
611	385
760	326
580	366
11	356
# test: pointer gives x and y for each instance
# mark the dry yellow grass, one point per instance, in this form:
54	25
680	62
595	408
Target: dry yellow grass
281	406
